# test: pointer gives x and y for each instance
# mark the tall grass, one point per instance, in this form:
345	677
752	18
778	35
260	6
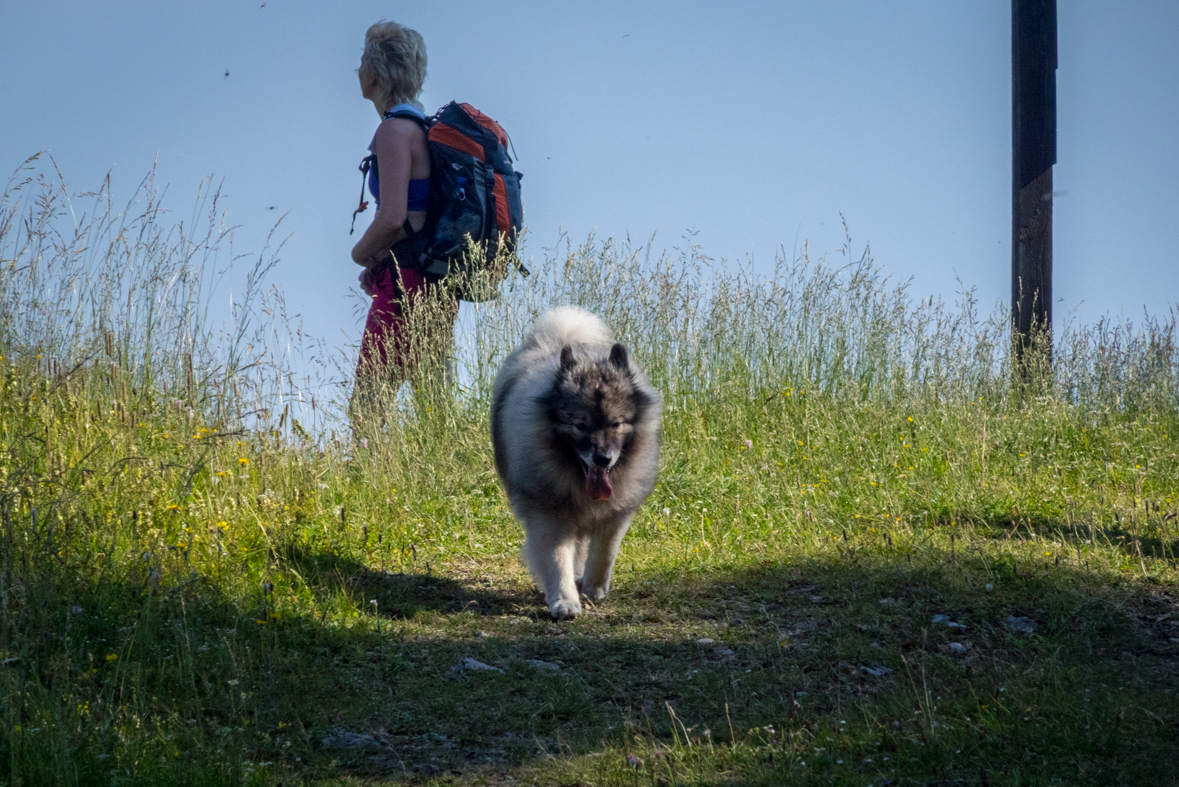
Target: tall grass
109	346
836	326
85	282
187	559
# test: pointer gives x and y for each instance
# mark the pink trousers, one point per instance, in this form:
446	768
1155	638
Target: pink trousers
385	349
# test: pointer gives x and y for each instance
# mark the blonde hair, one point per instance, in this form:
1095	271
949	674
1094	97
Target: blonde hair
397	56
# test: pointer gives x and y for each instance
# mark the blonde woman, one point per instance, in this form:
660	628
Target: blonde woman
392	70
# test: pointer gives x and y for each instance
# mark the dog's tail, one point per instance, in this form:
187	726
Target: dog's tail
569	325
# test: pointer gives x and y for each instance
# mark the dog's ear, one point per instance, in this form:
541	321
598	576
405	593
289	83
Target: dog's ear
618	357
566	359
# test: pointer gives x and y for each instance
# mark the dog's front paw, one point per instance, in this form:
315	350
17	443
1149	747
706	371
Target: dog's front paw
593	592
565	609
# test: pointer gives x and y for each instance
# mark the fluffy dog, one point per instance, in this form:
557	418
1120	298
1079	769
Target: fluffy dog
575	427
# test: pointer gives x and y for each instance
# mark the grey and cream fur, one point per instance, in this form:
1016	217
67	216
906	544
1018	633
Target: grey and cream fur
575	427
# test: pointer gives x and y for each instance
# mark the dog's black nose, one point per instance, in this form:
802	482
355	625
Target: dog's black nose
601	460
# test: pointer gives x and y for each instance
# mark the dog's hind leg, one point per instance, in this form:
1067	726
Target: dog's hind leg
599	564
550	554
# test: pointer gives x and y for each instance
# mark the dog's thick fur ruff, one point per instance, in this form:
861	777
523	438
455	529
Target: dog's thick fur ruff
575	427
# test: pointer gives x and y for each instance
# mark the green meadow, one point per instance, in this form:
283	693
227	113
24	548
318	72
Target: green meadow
875	556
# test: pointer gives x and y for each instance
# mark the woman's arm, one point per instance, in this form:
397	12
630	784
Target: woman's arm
392	144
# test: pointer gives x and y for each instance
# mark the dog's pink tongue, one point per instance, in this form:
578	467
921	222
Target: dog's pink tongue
597	483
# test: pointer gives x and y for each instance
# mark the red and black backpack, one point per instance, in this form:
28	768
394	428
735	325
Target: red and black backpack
474	197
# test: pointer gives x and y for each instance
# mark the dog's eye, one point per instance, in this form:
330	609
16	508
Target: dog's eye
580	426
616	425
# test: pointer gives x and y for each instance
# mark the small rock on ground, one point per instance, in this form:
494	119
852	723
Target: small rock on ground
469	664
945	621
544	665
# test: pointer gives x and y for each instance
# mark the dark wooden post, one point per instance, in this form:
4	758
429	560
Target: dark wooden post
1033	134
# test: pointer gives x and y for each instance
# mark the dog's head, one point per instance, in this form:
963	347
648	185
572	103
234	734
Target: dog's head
594	406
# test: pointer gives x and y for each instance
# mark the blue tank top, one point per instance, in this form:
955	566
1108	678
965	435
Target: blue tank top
419	190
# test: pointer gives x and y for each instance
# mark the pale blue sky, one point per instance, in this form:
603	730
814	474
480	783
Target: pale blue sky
754	124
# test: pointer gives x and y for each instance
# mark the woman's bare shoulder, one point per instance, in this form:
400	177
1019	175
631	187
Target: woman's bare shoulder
398	130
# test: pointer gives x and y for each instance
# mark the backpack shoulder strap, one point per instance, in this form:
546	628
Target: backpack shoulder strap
409	112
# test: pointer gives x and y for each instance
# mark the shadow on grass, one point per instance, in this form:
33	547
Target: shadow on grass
1056	675
852	657
1155	537
400	595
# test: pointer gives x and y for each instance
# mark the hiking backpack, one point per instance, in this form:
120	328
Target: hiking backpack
474	197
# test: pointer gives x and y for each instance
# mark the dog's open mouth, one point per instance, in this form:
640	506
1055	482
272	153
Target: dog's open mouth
597	482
